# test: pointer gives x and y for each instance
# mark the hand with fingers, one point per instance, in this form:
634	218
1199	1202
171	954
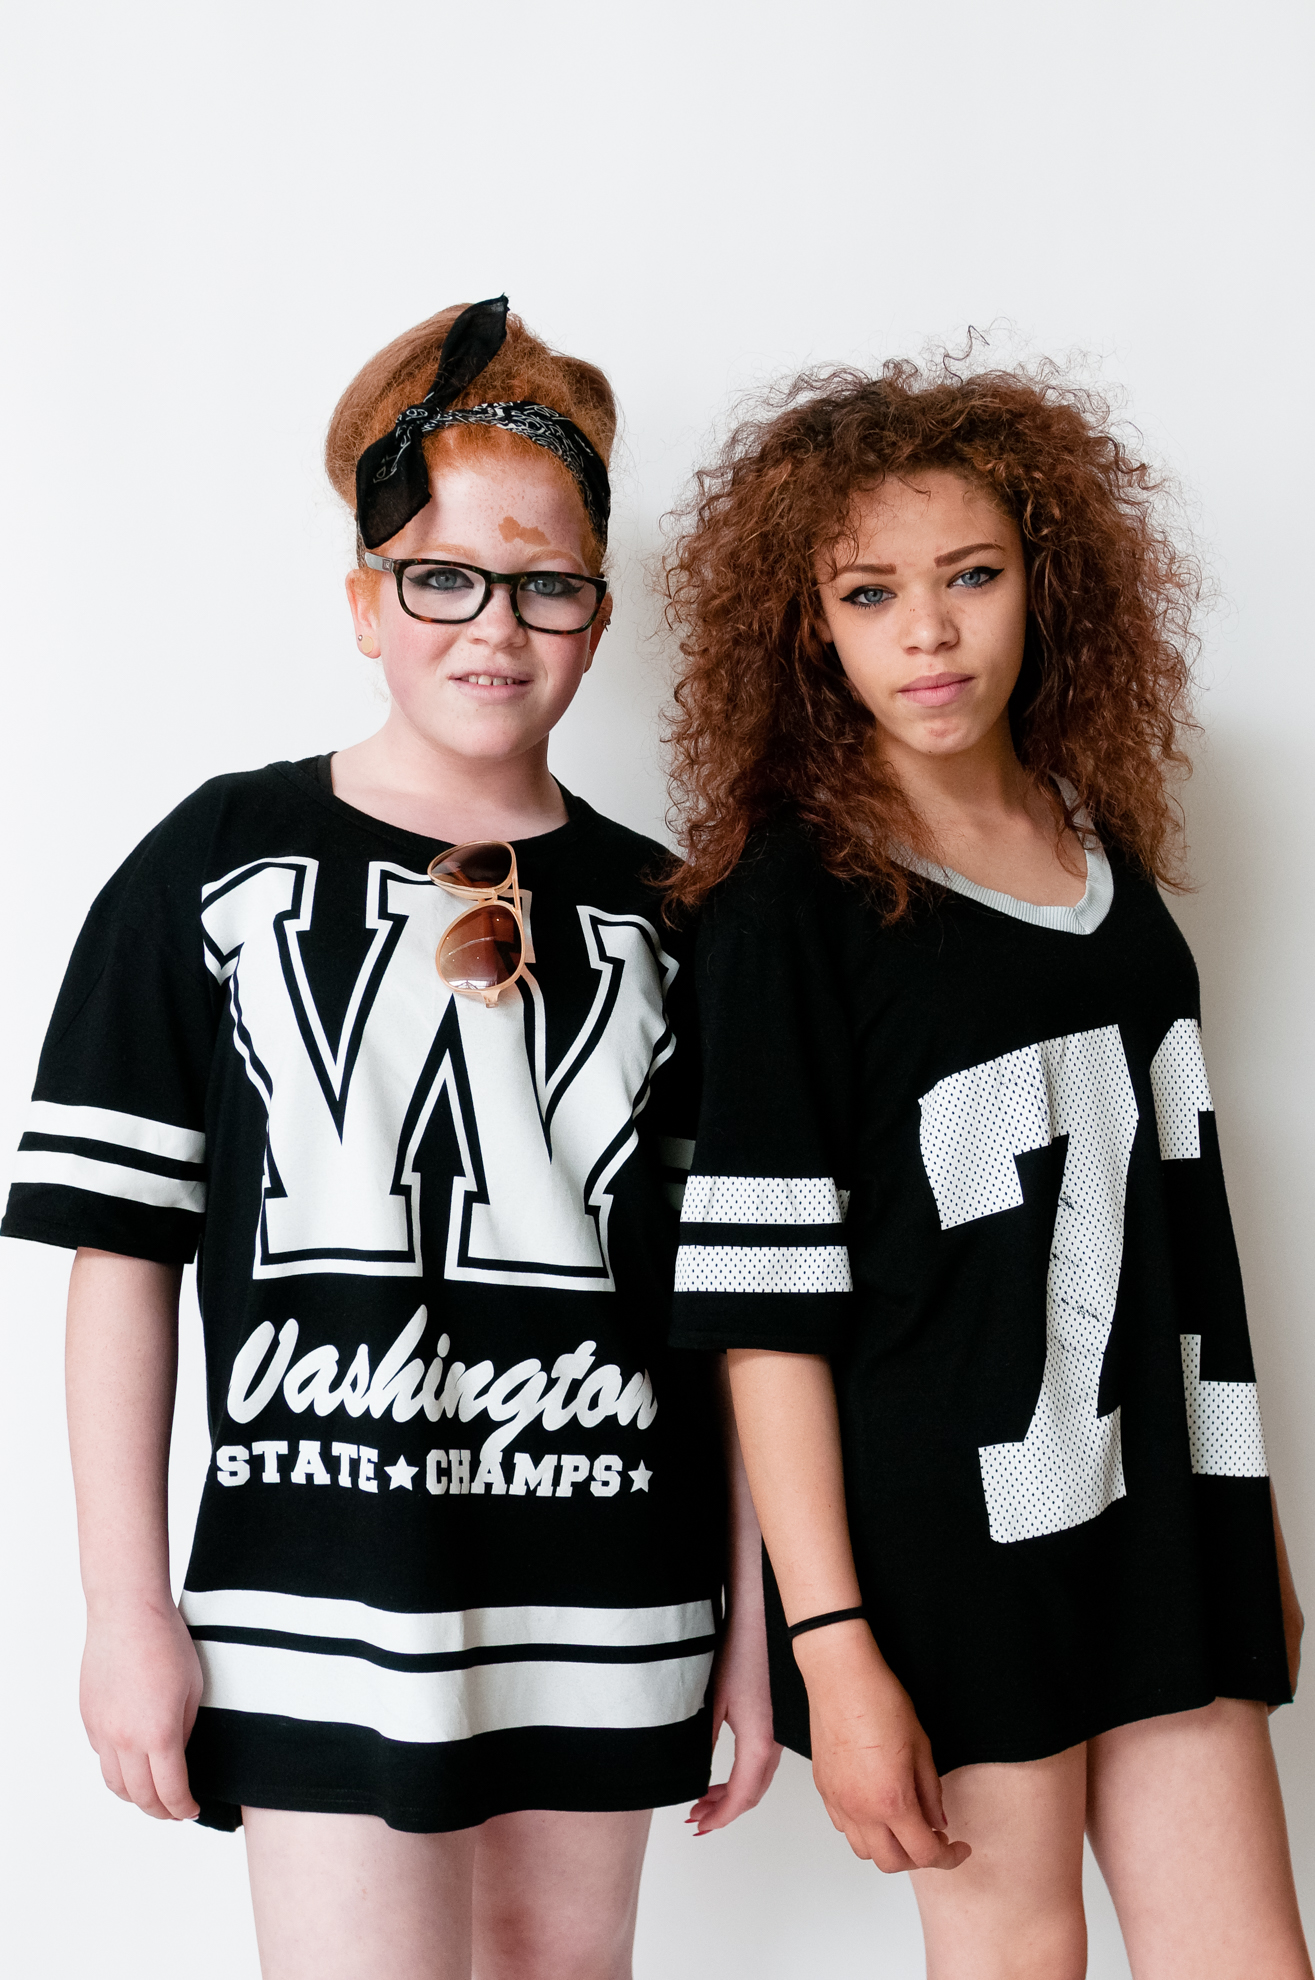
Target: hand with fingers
872	1761
742	1700
141	1686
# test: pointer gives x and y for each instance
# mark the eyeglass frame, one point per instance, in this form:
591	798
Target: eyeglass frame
478	897
399	566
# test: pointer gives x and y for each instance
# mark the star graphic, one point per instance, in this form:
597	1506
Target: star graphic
400	1473
640	1478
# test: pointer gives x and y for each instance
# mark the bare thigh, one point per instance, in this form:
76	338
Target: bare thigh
1186	1820
1013	1911
344	1897
556	1895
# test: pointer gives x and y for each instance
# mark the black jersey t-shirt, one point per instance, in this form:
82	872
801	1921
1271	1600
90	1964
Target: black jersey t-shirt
459	1547
972	1158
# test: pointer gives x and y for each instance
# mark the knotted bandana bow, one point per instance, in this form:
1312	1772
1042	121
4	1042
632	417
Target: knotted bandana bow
392	475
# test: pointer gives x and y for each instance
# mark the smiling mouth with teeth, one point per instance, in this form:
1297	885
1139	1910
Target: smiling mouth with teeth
491	680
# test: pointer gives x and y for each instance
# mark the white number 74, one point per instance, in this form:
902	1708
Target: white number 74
1069	1466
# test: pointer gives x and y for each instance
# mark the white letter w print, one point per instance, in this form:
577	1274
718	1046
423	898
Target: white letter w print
538	1149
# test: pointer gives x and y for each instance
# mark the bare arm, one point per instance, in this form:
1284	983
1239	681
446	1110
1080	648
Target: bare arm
742	1696
871	1759
141	1680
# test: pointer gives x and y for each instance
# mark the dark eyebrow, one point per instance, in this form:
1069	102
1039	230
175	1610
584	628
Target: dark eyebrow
888	570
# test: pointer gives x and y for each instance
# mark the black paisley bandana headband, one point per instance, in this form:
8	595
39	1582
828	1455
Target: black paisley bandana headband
392	475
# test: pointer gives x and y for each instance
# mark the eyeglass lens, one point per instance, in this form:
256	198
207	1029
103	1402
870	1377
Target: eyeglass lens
481	949
548	601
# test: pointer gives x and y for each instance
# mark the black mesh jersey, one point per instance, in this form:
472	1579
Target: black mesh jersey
972	1158
459	1549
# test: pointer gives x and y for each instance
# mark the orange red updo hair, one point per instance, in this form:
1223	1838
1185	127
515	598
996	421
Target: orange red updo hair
765	718
525	368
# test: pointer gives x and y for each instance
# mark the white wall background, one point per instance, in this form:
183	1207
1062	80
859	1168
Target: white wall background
213	214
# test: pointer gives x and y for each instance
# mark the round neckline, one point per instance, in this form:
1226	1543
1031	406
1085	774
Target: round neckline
305	774
1084	917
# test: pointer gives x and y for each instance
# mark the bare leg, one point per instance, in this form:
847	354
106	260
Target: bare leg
1186	1820
1013	1911
556	1895
344	1897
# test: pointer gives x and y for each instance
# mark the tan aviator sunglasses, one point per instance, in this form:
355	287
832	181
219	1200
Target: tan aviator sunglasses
483	952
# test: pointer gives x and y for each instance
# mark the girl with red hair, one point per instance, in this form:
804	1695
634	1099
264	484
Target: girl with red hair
395	1037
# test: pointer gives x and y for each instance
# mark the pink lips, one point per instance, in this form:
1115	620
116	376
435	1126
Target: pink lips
936	690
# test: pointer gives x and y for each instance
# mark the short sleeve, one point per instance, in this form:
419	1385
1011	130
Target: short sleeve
114	1150
763	1260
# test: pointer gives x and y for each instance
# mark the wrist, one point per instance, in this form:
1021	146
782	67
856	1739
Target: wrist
744	1592
129	1601
838	1654
827	1619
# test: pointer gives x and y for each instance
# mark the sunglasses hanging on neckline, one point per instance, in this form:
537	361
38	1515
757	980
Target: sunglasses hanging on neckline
483	952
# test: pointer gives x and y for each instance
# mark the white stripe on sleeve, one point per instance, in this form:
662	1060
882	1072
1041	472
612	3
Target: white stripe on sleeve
763	1268
123	1130
762	1200
48	1165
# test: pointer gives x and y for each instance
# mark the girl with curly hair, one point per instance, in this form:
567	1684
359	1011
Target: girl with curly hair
956	1207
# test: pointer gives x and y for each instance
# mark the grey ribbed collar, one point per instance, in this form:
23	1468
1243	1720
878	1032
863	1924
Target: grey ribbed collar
1082	919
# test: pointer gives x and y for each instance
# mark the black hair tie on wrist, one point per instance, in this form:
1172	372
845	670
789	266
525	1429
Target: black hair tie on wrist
820	1622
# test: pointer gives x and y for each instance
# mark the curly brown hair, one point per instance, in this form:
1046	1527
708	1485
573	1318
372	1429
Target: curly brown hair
525	368
766	719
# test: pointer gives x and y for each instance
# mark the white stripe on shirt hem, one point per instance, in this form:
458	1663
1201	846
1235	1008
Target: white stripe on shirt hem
436	1707
444	1632
763	1268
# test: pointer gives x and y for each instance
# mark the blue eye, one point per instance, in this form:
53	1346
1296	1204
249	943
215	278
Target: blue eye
440	577
551	584
868	595
978	577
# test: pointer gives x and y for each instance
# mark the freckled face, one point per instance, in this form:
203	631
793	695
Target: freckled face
488	688
928	611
